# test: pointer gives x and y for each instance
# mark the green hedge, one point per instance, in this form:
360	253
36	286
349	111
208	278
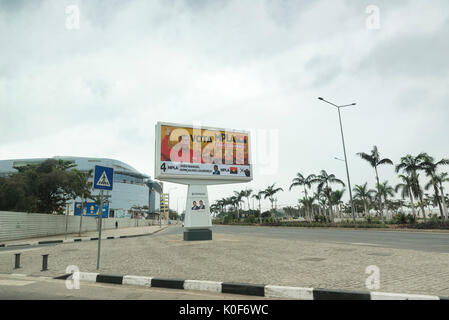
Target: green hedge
431	225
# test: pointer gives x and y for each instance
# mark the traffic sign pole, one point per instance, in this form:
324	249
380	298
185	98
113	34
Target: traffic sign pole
99	232
103	180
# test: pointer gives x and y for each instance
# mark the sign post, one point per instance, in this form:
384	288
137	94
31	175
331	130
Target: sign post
104	178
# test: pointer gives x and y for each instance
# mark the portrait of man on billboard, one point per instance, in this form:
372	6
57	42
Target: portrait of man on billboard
181	152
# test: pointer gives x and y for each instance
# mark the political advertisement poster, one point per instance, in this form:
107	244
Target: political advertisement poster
202	153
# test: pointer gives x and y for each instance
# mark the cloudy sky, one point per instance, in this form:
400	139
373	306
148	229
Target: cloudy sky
97	89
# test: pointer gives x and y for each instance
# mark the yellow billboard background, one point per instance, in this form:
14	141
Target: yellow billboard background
221	139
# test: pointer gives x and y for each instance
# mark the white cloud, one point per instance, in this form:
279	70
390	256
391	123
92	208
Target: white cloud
99	90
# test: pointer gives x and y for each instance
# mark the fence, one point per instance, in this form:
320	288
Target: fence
20	225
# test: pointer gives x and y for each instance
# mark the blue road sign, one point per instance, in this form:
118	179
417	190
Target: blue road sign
91	209
103	178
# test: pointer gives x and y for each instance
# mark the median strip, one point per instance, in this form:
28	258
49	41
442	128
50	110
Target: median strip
269	291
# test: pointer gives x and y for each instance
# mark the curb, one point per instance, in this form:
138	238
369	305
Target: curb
268	291
35	243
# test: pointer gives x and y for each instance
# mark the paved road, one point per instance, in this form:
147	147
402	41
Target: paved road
34	288
422	241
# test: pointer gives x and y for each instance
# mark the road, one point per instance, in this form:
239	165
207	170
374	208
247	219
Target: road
422	241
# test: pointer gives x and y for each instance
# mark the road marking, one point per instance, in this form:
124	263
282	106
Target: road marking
15	282
365	244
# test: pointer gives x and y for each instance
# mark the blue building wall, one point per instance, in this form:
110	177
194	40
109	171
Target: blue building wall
131	188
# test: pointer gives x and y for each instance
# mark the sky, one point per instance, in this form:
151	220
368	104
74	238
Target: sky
92	78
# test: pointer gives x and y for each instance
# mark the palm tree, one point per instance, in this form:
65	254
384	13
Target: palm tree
222	204
247	194
238	195
229	202
374	160
258	197
385	190
336	197
83	190
411	165
236	201
270	192
362	193
323	180
300	180
442	178
308	203
429	166
407	190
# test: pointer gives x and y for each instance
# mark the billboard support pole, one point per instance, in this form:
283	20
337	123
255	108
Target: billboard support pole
197	220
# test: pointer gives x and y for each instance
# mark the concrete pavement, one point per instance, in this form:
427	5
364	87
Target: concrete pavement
257	259
121	232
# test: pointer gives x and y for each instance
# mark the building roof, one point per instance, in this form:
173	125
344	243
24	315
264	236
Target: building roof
83	164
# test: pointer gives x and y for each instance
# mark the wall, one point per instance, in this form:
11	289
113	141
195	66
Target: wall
20	225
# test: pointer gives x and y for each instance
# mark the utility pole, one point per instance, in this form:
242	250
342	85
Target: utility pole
344	151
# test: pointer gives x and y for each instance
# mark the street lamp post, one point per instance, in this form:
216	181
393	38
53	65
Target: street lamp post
344	151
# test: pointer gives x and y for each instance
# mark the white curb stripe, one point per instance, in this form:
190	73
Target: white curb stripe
399	296
211	286
289	292
137	281
86	276
68	241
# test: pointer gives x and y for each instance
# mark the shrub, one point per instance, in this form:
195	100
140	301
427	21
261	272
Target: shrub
399	218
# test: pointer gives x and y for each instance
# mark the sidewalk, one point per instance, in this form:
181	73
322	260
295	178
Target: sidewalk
86	236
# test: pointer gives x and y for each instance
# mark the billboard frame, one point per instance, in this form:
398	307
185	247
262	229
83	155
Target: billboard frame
197	179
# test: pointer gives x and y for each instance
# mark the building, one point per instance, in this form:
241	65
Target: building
134	195
165	201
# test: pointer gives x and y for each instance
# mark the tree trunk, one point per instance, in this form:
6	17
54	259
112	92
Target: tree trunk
81	217
330	209
444	202
412	203
366	208
380	197
438	200
422	206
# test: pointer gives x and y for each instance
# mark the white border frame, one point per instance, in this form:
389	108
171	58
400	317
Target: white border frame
189	179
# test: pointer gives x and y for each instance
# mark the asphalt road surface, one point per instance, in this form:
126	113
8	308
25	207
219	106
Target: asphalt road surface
422	241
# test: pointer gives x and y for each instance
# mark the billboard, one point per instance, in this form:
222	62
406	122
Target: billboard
91	209
187	152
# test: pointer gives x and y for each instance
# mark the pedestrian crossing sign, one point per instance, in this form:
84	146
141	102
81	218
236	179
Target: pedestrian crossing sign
104	178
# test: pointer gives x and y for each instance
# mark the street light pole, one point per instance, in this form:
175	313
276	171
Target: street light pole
344	151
